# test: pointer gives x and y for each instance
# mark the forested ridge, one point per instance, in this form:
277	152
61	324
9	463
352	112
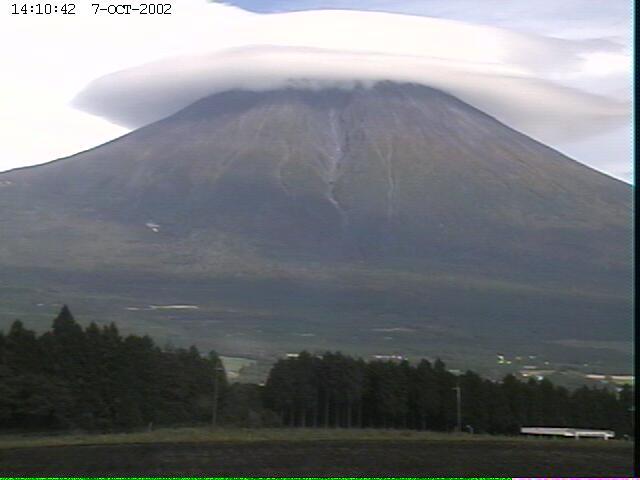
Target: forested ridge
336	390
95	379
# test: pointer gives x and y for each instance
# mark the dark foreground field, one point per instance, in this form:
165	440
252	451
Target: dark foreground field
436	457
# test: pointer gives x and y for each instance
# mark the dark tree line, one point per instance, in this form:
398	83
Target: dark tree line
334	390
95	379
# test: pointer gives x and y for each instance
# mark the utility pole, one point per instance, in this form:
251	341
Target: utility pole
214	410
459	408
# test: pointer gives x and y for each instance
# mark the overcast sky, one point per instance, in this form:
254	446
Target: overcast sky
559	71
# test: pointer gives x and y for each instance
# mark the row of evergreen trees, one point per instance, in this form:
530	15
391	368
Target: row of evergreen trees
334	390
96	379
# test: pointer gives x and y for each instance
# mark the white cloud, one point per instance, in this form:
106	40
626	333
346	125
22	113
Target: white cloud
561	91
540	108
47	59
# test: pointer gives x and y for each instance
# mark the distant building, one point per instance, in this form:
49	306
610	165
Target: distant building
395	358
617	379
576	433
537	374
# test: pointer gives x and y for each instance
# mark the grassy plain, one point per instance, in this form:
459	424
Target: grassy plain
461	320
310	452
206	434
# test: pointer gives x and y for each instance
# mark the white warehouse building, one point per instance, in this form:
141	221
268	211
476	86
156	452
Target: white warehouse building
576	433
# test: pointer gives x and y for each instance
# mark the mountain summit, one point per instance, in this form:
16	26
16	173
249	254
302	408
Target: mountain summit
328	213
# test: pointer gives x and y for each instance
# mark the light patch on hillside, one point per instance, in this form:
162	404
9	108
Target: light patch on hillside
163	307
393	329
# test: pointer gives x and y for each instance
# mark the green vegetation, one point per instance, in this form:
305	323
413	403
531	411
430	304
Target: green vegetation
260	319
204	434
334	390
96	380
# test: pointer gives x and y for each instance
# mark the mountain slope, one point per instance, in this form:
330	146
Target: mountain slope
390	191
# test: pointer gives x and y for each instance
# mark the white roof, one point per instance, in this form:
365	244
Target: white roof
567	432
